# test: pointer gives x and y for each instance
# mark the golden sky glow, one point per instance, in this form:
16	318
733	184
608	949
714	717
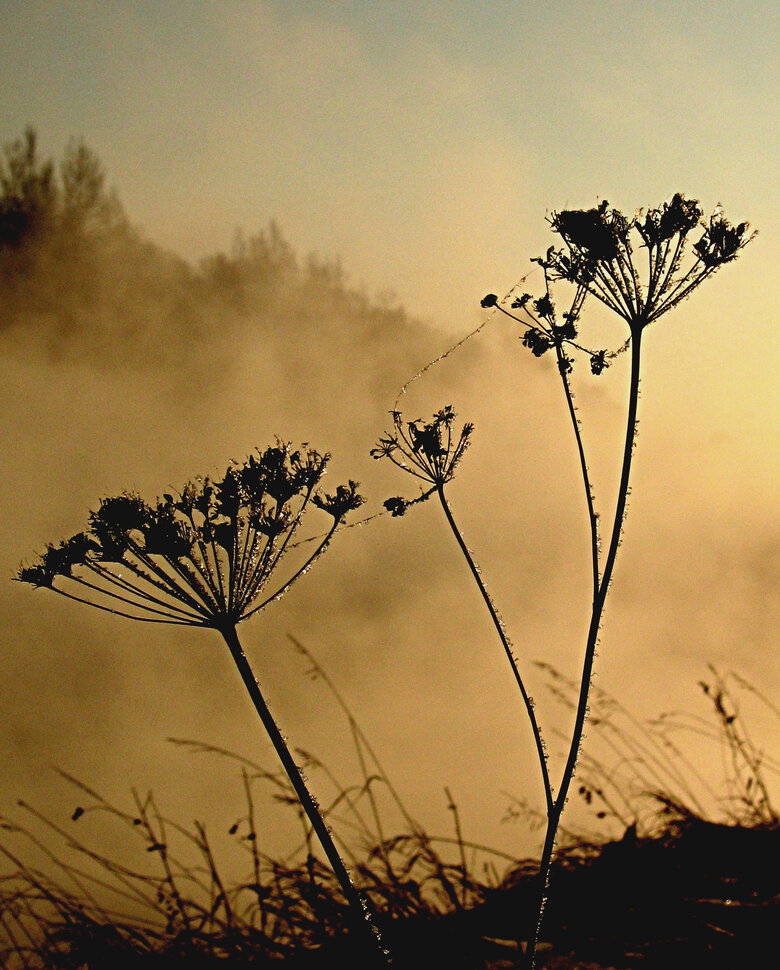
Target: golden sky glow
423	144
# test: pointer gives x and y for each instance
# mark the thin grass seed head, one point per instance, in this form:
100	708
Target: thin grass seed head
204	557
430	451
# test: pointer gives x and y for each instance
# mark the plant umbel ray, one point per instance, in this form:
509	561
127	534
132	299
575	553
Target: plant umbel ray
601	258
213	556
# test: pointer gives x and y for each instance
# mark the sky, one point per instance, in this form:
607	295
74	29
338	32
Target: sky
424	145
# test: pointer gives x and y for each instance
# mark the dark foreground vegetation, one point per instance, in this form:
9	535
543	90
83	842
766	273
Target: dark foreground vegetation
676	888
699	894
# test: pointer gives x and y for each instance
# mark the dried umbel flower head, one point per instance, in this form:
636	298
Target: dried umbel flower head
601	254
430	451
204	557
547	329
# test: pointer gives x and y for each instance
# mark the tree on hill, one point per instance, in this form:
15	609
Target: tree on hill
38	199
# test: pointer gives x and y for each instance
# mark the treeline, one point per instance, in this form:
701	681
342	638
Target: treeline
78	279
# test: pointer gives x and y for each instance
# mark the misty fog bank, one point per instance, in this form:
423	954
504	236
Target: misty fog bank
127	367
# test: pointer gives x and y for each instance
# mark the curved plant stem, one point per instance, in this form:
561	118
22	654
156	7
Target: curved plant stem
364	921
527	700
593	520
554	815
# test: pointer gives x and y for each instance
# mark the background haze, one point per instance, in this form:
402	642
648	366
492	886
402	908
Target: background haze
422	145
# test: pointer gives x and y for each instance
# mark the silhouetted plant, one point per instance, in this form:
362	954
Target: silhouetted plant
600	258
749	801
173	901
210	557
431	452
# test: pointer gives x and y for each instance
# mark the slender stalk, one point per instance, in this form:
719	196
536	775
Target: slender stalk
554	815
364	921
129	616
459	839
593	520
527	700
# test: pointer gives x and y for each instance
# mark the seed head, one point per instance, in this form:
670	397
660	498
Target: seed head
600	255
430	451
345	500
204	557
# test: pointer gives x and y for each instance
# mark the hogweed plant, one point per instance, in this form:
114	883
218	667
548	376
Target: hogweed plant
431	451
599	256
212	557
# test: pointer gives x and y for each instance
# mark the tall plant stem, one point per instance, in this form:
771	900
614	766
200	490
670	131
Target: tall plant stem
527	700
364	920
593	521
556	810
